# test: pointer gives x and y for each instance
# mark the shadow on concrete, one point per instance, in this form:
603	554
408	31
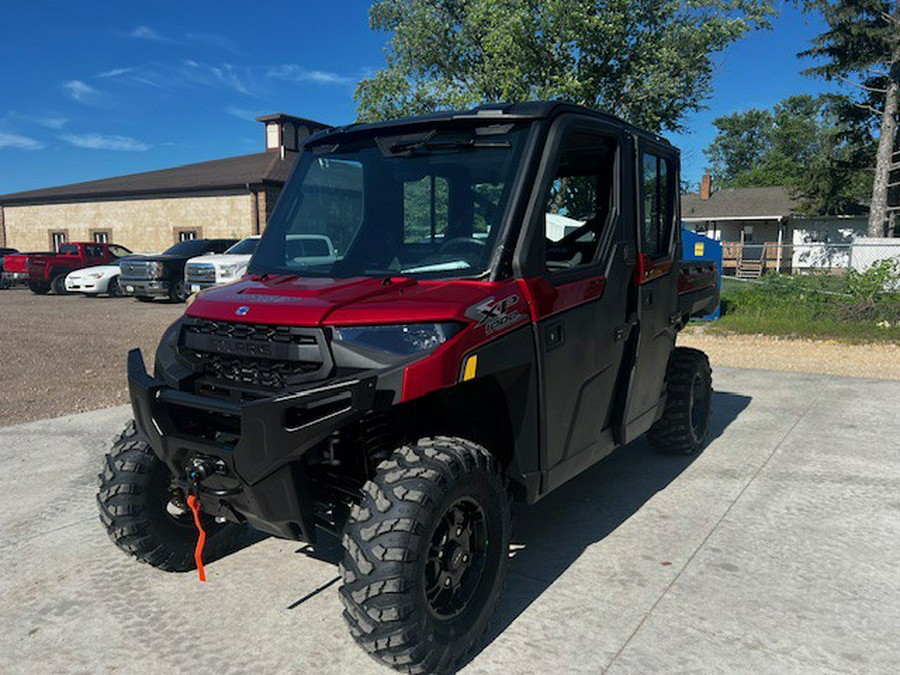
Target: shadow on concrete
551	535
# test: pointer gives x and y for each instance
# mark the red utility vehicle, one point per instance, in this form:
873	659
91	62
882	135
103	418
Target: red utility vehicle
499	315
15	269
47	271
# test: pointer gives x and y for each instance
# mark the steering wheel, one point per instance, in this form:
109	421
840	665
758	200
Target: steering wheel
462	246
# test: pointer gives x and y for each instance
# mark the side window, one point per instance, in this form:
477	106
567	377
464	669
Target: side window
92	251
580	200
426	210
658	203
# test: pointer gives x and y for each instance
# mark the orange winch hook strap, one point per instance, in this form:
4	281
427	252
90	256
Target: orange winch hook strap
194	505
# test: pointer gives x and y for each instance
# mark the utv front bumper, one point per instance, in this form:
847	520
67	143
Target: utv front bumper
260	475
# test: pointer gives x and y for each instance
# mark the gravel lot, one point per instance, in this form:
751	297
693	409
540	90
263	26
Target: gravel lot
66	354
62	355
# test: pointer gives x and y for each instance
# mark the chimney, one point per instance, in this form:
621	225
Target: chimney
705	187
285	133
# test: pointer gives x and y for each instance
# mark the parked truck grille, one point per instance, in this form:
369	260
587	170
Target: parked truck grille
200	273
135	269
273	358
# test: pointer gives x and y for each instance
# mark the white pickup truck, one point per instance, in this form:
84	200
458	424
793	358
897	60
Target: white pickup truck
210	270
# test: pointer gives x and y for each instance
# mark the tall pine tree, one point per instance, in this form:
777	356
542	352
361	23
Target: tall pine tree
861	50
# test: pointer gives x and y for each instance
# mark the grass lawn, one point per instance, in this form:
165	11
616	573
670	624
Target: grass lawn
815	307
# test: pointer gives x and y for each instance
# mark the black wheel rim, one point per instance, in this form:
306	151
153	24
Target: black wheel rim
700	398
113	289
456	559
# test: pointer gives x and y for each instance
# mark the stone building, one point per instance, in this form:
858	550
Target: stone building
223	198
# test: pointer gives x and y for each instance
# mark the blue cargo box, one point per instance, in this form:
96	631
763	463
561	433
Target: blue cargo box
698	247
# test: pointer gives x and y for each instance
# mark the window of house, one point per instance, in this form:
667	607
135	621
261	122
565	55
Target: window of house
426	205
187	235
57	239
580	200
657	195
101	236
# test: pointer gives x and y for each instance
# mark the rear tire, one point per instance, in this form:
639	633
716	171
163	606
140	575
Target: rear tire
144	516
425	555
684	425
39	287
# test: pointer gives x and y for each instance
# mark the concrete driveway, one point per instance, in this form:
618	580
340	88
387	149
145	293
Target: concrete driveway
774	550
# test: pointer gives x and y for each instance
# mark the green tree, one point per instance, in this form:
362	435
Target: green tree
649	61
861	50
806	143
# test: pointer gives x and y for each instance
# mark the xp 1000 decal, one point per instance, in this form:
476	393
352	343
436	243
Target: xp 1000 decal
495	314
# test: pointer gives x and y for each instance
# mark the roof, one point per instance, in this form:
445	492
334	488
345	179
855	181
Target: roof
753	202
230	173
489	113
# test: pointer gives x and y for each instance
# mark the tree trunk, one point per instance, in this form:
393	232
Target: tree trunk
878	210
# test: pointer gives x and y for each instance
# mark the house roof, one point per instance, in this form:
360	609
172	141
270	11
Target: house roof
752	202
219	174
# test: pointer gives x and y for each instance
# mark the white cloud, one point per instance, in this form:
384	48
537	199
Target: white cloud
147	33
80	91
101	142
115	72
19	142
295	73
216	76
241	113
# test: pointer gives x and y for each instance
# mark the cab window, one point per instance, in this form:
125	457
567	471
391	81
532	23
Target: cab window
657	198
579	202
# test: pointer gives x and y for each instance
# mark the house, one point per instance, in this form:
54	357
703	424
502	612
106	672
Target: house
762	229
222	198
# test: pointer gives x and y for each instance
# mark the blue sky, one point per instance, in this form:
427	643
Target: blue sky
96	89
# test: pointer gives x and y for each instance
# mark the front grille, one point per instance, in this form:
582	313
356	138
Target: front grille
135	269
272	358
200	273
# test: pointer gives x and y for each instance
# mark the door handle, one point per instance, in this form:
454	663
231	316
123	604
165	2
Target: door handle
554	336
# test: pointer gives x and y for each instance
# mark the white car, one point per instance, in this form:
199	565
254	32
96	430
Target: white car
95	280
210	270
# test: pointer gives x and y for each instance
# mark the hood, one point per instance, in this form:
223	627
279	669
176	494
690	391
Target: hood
222	259
303	301
158	257
104	269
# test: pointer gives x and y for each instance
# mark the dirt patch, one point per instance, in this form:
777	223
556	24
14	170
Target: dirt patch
66	354
876	360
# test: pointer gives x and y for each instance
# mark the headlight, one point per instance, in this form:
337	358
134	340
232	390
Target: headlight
228	271
401	339
155	270
96	275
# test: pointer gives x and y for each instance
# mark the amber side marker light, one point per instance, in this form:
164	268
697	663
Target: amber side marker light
471	367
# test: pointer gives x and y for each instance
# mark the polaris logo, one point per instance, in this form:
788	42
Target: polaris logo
242	310
239	347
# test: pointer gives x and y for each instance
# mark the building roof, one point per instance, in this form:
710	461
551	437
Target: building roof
231	173
735	203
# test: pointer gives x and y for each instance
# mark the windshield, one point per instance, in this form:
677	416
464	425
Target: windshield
189	247
246	247
427	204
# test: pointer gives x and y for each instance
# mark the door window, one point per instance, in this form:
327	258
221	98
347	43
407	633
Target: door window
579	201
657	195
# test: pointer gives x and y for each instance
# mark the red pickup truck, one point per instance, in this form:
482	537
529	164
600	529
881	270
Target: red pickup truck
47	271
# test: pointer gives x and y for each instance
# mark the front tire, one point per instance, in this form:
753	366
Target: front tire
58	285
684	425
426	554
114	289
178	292
145	515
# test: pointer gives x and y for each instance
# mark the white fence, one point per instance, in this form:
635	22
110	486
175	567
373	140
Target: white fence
807	258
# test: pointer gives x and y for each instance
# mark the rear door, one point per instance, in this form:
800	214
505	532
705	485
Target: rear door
657	172
577	291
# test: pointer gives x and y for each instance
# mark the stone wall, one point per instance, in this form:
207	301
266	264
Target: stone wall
143	225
